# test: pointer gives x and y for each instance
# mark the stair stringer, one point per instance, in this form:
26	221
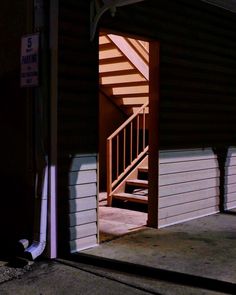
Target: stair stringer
132	175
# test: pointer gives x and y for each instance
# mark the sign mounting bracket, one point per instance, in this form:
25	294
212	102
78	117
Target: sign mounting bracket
99	7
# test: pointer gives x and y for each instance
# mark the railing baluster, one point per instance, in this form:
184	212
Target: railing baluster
137	147
114	173
109	171
117	156
131	142
124	150
144	125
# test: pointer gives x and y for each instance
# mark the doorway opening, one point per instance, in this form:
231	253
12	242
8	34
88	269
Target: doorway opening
123	134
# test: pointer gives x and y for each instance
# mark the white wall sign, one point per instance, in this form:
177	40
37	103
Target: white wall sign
30	60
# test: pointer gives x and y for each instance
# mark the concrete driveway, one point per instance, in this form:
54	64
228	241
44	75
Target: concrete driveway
204	248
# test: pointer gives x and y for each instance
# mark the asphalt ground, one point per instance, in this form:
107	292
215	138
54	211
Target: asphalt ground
65	277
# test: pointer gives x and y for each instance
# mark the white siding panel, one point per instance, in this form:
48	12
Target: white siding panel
82	190
178	188
188	197
188	216
83	243
188	207
83	202
230	170
82	177
182	156
230	179
82	231
188	166
83	217
231	160
231	197
188	185
231	205
188	176
230	188
77	205
80	163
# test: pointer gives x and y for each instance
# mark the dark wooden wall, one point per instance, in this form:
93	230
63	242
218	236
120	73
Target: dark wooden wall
78	98
198	70
198	58
227	4
15	155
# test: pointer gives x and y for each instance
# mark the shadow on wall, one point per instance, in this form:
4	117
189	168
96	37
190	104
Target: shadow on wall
80	225
16	187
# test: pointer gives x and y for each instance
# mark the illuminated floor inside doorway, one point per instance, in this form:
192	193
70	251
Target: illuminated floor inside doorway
115	222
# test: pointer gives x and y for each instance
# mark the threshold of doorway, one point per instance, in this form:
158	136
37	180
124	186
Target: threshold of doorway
115	222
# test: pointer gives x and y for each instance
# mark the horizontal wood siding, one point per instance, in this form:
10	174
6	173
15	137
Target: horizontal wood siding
197	68
78	80
83	228
188	185
77	127
230	179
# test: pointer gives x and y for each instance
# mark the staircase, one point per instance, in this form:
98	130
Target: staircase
135	186
124	79
124	72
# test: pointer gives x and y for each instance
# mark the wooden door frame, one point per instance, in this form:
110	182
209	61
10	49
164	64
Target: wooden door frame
154	111
52	177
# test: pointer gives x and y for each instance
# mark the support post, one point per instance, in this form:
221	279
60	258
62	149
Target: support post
52	219
154	110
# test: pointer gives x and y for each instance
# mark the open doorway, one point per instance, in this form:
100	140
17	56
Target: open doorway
123	134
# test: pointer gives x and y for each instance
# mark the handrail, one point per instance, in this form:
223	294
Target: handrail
125	147
128	121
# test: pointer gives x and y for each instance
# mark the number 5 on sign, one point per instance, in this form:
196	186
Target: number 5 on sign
29	42
29	60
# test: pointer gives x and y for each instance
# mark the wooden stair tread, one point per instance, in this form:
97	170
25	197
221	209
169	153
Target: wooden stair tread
131	197
125	106
143	169
137	182
118	72
112	60
125	84
106	46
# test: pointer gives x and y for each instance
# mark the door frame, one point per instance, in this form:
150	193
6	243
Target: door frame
154	121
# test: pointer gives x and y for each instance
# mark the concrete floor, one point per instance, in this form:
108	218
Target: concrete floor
115	222
205	247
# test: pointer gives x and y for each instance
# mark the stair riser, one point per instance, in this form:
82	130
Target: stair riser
143	175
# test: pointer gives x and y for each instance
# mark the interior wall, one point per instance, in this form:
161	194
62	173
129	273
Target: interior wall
110	118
